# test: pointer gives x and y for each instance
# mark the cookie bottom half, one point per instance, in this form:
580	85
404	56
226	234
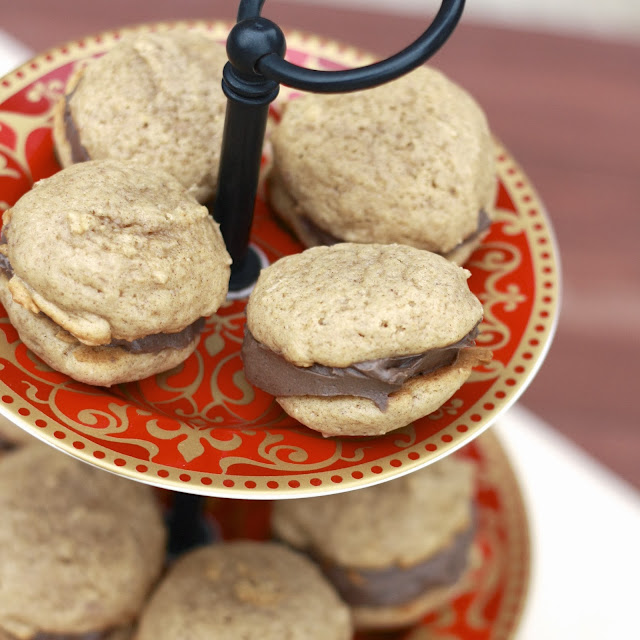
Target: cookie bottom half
101	366
294	217
352	416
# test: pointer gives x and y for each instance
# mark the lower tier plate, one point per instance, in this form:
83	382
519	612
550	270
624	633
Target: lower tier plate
493	597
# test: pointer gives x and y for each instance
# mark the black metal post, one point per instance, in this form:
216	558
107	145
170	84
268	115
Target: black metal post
187	525
249	96
251	81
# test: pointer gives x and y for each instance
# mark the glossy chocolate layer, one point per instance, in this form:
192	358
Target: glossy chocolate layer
159	341
372	379
398	585
5	265
6	445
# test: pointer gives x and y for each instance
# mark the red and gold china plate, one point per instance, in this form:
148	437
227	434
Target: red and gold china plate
201	428
491	600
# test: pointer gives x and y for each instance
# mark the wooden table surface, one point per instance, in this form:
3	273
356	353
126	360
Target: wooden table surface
569	111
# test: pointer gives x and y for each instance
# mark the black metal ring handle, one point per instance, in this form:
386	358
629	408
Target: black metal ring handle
251	79
274	67
249	9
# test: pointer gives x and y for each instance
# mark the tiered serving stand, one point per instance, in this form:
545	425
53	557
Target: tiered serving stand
203	433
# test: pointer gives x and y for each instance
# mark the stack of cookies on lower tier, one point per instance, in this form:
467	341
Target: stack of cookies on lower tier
81	548
84	558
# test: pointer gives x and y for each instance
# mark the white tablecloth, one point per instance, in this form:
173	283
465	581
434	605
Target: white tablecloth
585	528
585	521
12	53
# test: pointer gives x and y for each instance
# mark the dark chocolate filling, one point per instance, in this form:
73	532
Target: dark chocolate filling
160	341
5	445
323	237
398	585
372	379
78	152
484	222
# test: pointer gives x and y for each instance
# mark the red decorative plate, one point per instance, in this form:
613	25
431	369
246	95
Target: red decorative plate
492	599
201	428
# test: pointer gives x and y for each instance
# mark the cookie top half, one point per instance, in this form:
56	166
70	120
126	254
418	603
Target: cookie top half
244	589
81	547
356	302
112	251
401	522
409	162
155	98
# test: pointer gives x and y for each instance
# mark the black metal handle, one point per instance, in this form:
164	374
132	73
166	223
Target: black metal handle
249	9
278	69
256	48
187	524
274	67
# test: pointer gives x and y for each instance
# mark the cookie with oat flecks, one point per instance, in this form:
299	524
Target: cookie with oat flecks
410	162
394	551
245	589
108	271
361	339
155	99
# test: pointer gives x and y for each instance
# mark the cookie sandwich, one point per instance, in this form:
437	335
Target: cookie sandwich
394	551
82	548
249	590
109	270
411	162
361	339
154	98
